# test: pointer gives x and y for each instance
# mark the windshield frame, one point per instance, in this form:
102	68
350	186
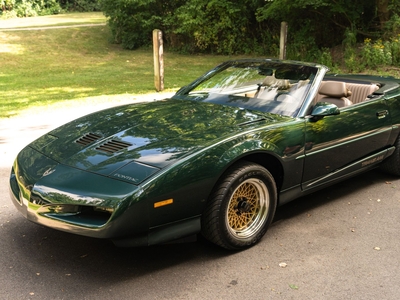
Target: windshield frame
308	74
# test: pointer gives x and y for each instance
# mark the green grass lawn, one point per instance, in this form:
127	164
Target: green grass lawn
45	66
54	20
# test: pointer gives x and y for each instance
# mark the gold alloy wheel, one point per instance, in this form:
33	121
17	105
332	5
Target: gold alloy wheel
247	208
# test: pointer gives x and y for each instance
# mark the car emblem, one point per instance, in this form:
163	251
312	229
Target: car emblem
48	172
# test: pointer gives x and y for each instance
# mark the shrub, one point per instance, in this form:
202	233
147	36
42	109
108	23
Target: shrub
219	26
81	5
325	58
395	49
216	26
132	21
302	44
376	54
30	8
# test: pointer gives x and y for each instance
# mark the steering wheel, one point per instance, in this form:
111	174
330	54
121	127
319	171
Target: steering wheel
283	94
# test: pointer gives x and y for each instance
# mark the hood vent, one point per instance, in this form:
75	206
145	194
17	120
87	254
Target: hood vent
88	139
113	146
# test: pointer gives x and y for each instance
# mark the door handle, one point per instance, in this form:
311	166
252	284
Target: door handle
382	114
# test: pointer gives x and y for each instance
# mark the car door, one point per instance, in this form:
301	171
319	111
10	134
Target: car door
340	144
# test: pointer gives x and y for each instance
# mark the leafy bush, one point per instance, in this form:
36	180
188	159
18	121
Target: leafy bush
350	54
81	5
26	8
249	27
376	54
325	58
222	27
253	26
7	5
218	26
395	49
30	8
302	44
132	21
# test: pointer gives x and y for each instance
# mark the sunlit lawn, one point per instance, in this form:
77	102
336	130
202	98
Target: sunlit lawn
54	20
41	67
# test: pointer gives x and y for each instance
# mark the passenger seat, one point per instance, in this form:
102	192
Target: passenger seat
335	92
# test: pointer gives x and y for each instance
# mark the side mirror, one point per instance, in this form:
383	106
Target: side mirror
323	109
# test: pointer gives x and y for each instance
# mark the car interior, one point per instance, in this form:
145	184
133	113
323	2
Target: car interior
345	93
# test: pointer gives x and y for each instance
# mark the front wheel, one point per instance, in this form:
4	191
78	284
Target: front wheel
241	207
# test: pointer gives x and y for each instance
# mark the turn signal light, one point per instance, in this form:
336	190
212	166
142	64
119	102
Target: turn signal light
163	203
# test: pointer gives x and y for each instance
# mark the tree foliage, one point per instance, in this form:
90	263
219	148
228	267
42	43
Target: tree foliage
226	27
30	8
218	26
251	26
26	8
132	21
80	5
192	26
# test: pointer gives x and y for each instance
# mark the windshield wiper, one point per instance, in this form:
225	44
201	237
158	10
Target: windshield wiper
251	122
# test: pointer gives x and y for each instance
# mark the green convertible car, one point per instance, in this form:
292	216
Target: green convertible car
217	158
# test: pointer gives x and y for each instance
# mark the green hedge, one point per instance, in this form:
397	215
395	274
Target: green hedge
216	26
31	8
132	21
252	26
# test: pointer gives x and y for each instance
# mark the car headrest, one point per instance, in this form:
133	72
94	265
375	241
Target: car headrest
334	89
271	81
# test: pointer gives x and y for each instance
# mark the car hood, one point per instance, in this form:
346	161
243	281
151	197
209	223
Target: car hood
147	136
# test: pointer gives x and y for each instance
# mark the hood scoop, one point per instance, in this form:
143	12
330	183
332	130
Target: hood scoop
113	146
88	138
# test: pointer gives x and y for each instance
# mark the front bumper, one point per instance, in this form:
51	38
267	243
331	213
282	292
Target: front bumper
69	199
43	215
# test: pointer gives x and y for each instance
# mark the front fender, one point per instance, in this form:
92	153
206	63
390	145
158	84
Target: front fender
243	148
190	181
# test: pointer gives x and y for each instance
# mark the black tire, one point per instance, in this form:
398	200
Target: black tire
241	207
391	165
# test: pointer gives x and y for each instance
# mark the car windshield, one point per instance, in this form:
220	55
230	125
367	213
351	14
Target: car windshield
267	86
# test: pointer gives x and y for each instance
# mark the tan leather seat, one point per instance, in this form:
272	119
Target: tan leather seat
335	92
272	82
360	92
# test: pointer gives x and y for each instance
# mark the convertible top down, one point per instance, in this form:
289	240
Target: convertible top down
217	158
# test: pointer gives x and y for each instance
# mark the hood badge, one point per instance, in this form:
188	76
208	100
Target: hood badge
126	177
48	172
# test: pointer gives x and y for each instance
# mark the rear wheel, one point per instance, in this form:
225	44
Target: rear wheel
241	207
391	165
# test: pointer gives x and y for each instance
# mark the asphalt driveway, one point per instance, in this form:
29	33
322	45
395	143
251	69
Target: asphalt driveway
340	243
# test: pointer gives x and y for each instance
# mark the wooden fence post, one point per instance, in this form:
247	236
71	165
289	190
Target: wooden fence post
158	53
282	48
